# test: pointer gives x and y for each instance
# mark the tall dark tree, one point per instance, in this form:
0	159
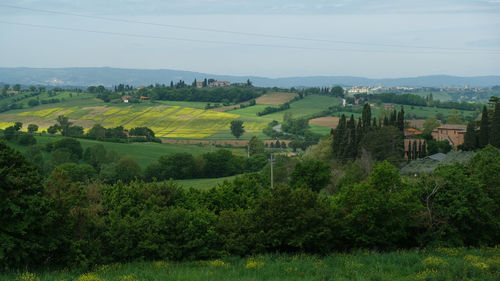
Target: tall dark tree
470	138
401	119
366	115
393	120
420	149
495	127
424	149
409	152
339	137
350	152
415	151
484	129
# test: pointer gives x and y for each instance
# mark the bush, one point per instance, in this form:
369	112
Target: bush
26	139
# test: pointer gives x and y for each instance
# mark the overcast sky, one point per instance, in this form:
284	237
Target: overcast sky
273	38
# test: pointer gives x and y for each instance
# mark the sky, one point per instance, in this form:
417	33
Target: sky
270	38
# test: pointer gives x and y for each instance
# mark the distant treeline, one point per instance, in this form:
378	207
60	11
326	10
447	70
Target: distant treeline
416	100
219	94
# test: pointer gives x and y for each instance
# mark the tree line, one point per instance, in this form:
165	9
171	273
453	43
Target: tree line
383	139
486	131
67	220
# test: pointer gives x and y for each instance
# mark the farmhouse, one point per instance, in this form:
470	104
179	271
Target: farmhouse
126	99
219	84
453	133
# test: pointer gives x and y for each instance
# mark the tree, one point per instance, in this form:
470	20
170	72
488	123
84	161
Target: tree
384	144
21	210
53	129
430	124
16	88
454	118
339	138
97	132
495	127
337	91
470	138
18	126
366	116
26	139
313	174
484	129
33	102
32	128
237	128
63	125
255	146
382	212
71	145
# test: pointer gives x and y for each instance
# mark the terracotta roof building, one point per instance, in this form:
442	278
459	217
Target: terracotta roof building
453	133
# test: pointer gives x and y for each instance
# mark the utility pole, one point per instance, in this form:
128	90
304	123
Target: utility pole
248	149
272	179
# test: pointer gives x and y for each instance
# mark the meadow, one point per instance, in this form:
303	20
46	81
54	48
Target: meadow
143	153
433	264
203	184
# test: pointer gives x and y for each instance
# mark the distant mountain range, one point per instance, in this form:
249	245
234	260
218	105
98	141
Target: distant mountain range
85	76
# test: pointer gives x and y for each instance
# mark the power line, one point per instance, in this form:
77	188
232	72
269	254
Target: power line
223	42
249	33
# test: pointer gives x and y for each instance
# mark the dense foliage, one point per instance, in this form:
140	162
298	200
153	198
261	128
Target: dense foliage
70	219
488	131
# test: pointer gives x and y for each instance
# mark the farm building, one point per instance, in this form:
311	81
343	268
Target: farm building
126	99
453	133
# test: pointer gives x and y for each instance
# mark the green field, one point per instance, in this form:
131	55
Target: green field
305	107
204	184
143	153
439	264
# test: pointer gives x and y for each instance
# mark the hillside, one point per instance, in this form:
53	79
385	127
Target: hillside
84	76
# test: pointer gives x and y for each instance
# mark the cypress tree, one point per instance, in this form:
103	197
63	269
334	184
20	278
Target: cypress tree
419	149
393	119
401	119
386	121
366	116
484	129
350	151
409	153
359	133
414	149
470	138
495	126
424	149
338	137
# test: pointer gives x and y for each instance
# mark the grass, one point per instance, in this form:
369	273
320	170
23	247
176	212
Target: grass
437	264
143	153
204	184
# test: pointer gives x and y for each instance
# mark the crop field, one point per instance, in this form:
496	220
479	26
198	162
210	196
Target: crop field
330	122
305	107
172	121
424	264
275	98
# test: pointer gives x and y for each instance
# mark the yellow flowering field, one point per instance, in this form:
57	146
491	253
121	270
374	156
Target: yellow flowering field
165	121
